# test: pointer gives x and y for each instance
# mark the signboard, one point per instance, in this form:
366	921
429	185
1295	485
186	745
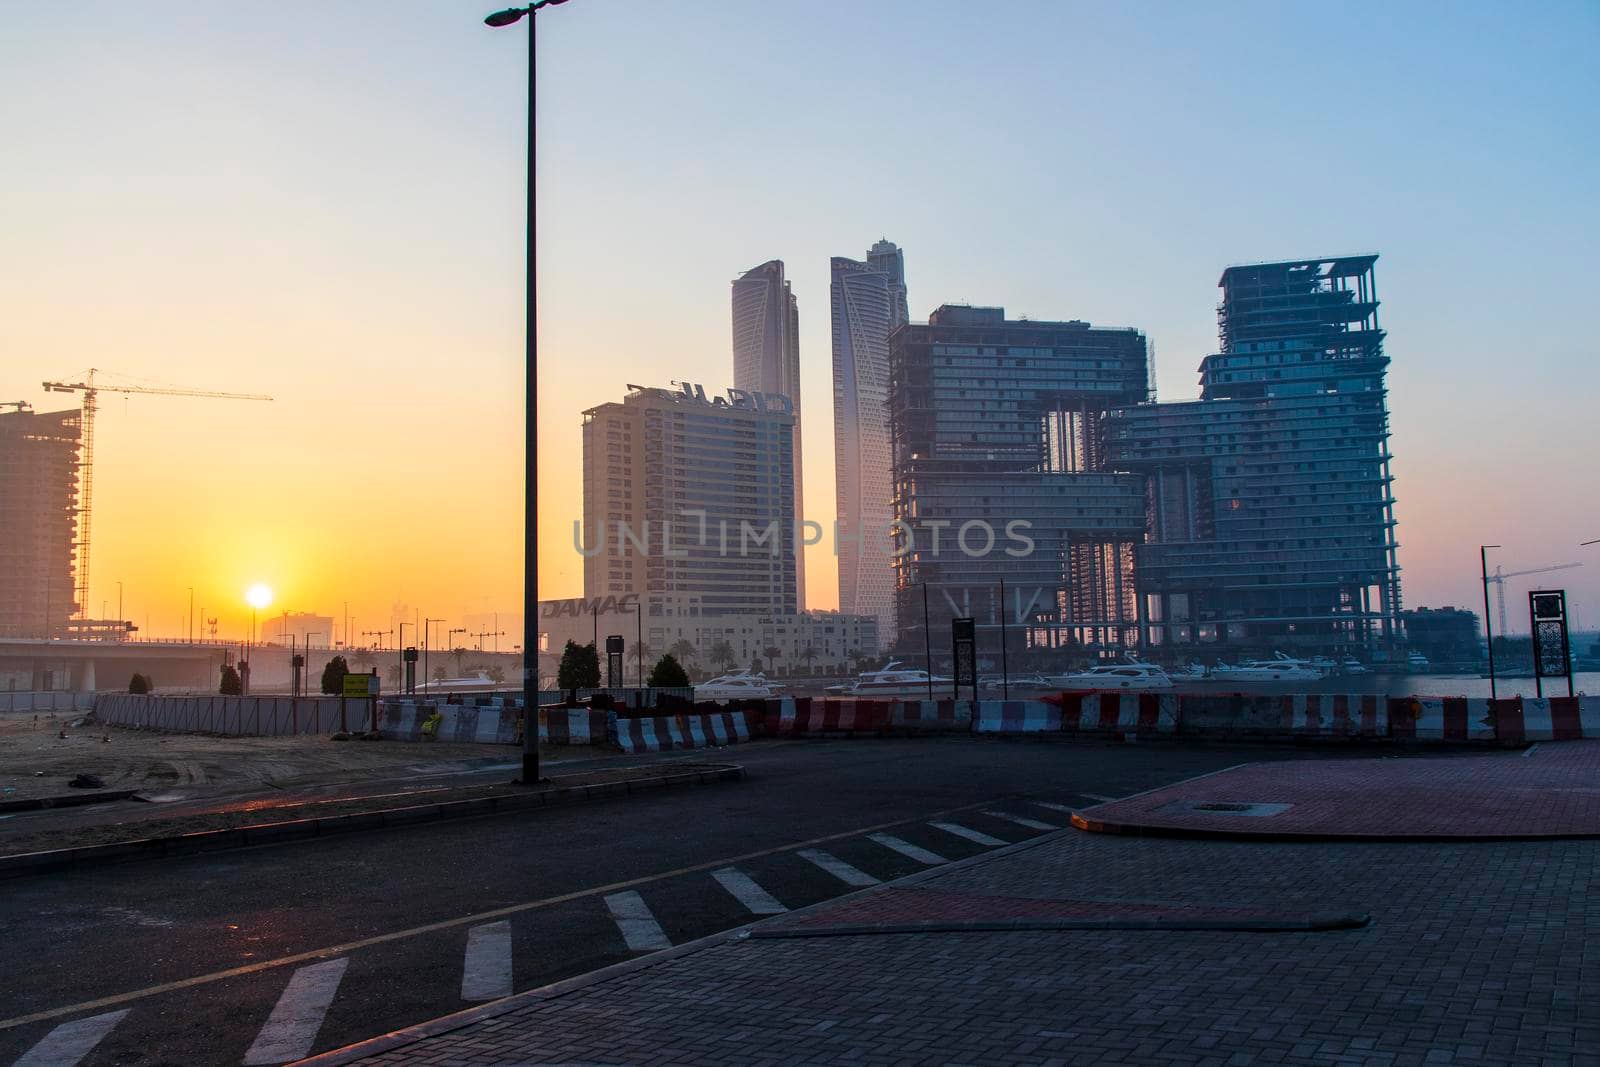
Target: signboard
360	686
1547	621
614	661
964	641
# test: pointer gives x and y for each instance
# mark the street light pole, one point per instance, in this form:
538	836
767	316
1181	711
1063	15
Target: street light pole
1488	630
530	536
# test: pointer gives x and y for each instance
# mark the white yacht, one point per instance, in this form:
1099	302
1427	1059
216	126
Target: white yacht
1280	668
1351	665
1418	663
740	685
478	683
892	680
1137	676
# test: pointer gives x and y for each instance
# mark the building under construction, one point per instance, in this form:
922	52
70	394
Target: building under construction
1271	511
38	521
998	428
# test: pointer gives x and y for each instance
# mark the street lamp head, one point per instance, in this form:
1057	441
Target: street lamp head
509	17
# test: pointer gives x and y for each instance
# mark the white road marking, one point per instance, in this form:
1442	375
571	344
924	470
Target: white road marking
639	928
1097	796
1068	808
292	1027
906	848
837	867
486	971
974	836
1032	824
71	1042
745	890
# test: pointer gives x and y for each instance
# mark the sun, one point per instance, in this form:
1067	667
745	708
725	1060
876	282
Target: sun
258	595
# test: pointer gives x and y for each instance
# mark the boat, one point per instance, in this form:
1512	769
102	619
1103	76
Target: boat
890	680
1417	663
1280	668
740	685
1351	665
1131	675
1188	672
1015	683
477	683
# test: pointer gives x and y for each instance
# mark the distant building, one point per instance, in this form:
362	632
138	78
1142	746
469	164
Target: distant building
1000	474
868	303
1271	511
1444	635
825	642
688	502
766	358
305	629
38	521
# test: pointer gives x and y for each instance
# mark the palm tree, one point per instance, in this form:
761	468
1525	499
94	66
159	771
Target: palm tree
772	652
809	654
721	655
683	651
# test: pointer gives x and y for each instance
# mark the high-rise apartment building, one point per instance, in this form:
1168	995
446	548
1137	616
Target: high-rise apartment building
868	303
1271	512
688	502
38	521
766	357
1000	475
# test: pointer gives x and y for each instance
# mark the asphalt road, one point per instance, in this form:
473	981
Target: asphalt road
262	955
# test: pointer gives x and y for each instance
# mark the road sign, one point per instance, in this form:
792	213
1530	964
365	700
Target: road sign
361	686
964	641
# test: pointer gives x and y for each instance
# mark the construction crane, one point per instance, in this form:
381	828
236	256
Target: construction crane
1499	581
20	405
91	390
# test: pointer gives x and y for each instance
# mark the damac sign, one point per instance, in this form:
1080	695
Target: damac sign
578	606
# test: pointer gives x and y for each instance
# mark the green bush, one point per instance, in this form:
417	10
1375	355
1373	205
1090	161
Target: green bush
580	667
668	673
140	683
232	685
333	676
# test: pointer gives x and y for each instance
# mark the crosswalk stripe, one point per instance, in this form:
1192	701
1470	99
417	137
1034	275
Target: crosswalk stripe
837	867
1068	808
639	928
1032	824
745	890
292	1027
1097	796
486	972
906	848
974	836
71	1042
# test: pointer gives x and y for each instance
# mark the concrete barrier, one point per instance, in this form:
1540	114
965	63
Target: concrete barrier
665	733
402	720
826	717
916	717
1016	717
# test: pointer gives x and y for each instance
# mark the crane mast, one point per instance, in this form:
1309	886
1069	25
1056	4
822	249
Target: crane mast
91	391
1499	580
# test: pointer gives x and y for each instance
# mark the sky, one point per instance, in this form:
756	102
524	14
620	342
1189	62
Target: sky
324	202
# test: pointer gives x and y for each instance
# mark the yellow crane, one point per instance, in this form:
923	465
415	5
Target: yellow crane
1499	581
91	390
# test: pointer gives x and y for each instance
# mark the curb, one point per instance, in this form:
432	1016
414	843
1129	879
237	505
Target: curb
444	1024
69	800
1339	921
26	863
1098	826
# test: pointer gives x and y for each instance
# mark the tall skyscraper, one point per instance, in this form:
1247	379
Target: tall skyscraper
1271	505
705	491
868	303
996	422
766	357
38	521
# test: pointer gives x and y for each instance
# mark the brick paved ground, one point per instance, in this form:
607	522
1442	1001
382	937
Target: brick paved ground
1480	952
1555	790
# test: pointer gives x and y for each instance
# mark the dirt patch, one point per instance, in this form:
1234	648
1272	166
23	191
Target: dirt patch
254	812
36	760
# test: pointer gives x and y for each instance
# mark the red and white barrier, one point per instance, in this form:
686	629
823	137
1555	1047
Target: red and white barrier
1125	716
811	717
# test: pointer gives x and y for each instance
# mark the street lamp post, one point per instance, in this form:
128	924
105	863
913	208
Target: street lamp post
427	632
1488	630
530	536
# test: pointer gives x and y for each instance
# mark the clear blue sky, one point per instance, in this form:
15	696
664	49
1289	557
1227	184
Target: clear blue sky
324	200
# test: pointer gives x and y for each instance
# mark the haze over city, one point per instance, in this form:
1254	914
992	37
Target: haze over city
323	203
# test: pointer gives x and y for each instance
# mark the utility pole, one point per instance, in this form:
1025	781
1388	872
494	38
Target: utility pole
1488	630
